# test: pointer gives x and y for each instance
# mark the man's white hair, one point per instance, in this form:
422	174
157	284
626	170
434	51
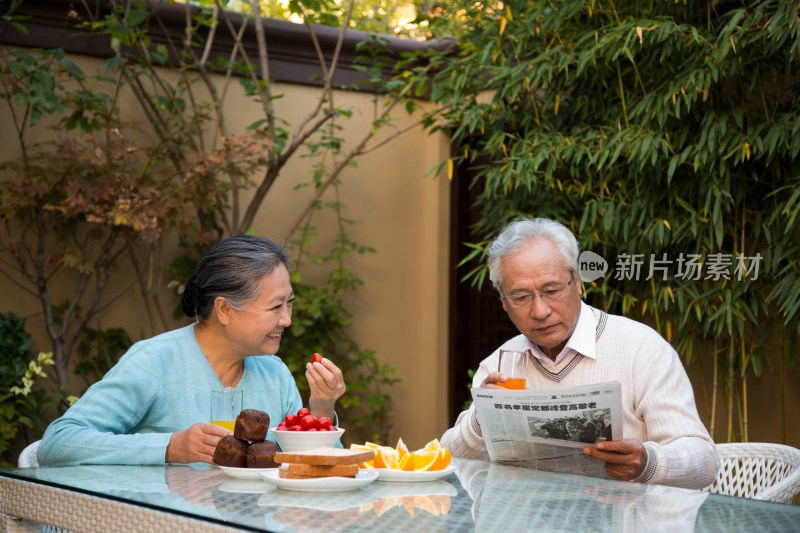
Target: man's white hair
524	230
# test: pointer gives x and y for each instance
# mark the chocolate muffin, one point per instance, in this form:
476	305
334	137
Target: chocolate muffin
252	425
262	455
231	451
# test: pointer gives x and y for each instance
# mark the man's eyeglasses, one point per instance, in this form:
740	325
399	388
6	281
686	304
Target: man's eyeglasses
551	294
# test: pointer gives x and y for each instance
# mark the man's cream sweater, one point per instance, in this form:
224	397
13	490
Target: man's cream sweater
657	400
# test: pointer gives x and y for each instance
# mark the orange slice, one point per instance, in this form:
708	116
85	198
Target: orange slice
364	447
379	461
425	459
432	457
387	458
442	460
402	448
433	445
408	462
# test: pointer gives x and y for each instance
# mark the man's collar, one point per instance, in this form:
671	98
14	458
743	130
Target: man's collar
584	338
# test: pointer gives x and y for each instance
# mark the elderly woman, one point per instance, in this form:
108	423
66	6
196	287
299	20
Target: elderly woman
154	405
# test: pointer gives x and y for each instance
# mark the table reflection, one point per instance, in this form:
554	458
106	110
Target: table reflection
480	496
418	506
532	499
176	487
551	501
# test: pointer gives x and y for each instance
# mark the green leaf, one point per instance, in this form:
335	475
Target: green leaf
19	27
135	17
73	69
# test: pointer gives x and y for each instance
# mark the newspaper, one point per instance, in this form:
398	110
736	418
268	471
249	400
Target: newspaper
548	429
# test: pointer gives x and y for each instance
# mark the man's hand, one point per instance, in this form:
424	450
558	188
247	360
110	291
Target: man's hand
196	444
326	383
625	459
492	380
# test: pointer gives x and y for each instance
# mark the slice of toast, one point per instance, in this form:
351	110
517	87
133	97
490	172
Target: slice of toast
322	470
285	474
326	456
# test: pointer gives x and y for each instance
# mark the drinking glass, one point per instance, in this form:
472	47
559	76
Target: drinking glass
226	404
514	366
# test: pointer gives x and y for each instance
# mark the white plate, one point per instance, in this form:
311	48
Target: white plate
244	473
321	484
404	476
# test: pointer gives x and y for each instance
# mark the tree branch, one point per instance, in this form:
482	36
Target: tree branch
327	73
398	133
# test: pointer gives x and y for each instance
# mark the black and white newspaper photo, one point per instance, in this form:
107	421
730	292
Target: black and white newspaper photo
548	429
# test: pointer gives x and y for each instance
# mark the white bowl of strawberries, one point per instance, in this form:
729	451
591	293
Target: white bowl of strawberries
304	431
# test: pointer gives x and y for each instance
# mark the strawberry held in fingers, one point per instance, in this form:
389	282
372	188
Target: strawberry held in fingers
316	358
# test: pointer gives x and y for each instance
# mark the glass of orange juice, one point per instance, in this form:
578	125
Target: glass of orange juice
514	366
226	404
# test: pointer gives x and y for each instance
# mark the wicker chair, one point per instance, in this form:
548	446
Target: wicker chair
758	470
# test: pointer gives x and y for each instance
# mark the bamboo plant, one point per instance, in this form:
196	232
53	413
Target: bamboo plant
663	132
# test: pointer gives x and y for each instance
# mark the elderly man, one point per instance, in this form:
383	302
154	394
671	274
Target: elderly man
533	265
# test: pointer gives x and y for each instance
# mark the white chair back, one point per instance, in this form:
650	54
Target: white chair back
758	470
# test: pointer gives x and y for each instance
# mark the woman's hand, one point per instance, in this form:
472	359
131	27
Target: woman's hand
326	383
194	484
196	444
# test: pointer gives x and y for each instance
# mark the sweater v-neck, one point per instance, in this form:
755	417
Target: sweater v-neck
566	365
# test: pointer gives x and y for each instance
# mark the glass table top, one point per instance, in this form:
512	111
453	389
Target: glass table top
478	496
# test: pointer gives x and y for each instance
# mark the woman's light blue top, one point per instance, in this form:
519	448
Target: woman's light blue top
160	386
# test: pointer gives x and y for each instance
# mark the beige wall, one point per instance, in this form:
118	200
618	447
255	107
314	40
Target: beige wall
401	310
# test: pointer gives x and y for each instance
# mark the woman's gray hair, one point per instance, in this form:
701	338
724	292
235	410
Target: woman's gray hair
524	230
232	269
